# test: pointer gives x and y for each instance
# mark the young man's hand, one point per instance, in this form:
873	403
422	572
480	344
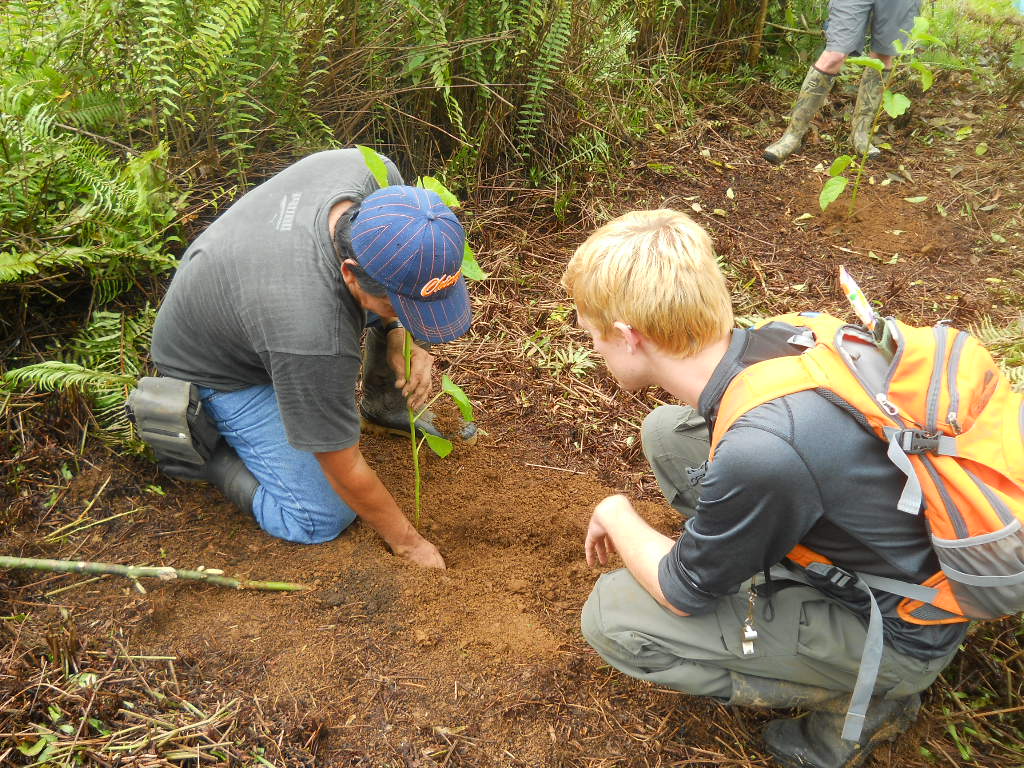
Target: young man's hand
616	527
420	384
599	544
422	553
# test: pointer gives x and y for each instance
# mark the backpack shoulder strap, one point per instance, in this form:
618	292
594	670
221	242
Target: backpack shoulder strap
757	385
779	376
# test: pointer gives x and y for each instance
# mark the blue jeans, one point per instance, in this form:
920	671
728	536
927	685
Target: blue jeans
295	501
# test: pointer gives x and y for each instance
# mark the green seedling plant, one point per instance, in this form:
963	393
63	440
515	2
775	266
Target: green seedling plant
471	271
439	445
893	104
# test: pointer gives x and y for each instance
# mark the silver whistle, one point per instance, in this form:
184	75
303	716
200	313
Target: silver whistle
749	636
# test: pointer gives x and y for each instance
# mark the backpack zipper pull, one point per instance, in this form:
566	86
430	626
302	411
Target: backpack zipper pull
954	422
887	406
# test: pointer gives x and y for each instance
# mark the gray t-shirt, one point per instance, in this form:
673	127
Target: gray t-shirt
258	299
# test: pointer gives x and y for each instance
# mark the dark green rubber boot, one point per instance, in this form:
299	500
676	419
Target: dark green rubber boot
815	741
812	95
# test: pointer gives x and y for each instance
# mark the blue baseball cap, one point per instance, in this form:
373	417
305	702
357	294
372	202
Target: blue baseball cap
410	242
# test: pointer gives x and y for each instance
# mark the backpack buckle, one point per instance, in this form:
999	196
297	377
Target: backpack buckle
916	441
839	578
833	574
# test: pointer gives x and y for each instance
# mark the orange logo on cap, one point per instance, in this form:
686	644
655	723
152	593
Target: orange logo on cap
440	283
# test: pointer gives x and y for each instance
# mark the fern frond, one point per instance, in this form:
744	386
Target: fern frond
550	54
1006	343
16	266
158	46
53	375
104	363
218	34
433	52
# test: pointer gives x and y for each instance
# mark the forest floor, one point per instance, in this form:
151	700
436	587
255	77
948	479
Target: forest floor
483	665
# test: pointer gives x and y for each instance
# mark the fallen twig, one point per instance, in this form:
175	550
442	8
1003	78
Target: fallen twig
136	572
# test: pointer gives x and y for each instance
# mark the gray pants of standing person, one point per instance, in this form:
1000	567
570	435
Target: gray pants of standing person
806	638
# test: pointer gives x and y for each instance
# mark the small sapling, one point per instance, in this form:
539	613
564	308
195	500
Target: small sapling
893	104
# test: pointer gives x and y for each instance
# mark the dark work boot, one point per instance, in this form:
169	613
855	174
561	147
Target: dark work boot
815	741
224	470
383	408
812	95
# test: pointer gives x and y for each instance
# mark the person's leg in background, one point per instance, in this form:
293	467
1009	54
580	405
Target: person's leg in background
845	32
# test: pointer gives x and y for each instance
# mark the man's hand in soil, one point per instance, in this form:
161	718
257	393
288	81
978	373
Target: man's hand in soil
421	553
417	390
356	482
616	527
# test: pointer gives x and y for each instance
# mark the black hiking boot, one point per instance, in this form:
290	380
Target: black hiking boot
383	408
224	470
815	741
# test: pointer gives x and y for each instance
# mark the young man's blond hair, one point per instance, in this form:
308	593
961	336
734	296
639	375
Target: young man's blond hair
655	271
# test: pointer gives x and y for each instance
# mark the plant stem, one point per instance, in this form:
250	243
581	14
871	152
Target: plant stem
136	572
407	352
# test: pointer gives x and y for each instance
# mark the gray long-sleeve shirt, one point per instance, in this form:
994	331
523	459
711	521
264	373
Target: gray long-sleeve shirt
799	470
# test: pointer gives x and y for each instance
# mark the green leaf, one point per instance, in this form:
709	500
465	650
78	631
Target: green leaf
375	164
470	267
438	445
921	25
895	103
446	195
867	61
833	188
919	199
981	149
840	164
926	75
34	749
460	397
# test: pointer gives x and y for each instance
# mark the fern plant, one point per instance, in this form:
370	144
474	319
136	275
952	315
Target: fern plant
1006	343
102	363
549	56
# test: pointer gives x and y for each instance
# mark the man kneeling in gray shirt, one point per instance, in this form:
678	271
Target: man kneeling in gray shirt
265	315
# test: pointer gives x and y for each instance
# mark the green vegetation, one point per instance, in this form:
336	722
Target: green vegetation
893	104
125	125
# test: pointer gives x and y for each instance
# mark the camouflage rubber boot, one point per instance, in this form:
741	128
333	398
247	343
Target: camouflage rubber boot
813	93
869	97
816	741
384	409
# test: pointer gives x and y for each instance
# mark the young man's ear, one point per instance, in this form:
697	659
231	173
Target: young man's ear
628	334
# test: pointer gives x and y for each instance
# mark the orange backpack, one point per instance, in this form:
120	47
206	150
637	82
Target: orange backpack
953	426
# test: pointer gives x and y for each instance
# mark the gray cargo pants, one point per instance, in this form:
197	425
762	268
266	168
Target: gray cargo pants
803	638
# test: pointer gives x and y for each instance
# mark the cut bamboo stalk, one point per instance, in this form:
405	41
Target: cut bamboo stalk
136	572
